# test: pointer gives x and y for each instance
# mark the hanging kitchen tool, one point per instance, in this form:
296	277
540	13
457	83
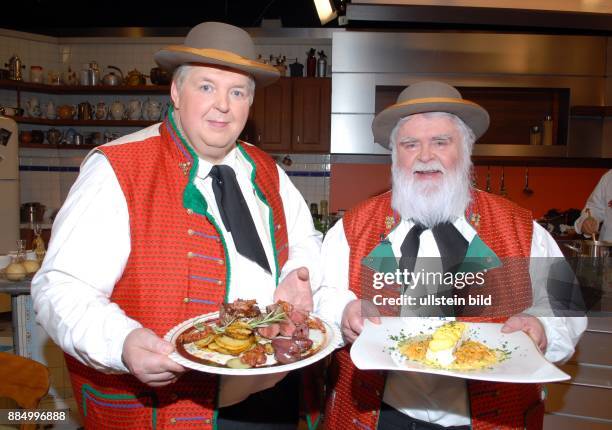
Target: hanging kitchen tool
526	190
488	188
502	185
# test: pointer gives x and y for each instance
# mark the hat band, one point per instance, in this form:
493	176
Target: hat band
220	55
434	100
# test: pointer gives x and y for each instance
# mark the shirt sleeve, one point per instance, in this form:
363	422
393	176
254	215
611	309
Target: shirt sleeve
562	333
87	254
334	294
304	240
596	203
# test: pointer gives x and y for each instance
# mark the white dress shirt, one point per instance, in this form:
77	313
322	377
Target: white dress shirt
90	245
437	399
600	206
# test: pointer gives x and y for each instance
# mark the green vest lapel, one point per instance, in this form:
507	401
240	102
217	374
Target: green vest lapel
479	257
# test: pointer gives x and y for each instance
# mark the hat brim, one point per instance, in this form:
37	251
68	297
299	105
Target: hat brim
171	57
471	113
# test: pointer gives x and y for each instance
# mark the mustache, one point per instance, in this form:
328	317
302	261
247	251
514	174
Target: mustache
419	166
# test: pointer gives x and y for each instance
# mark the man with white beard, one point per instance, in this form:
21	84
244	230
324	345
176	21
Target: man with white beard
433	211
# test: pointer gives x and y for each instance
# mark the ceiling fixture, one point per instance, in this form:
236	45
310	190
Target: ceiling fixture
325	10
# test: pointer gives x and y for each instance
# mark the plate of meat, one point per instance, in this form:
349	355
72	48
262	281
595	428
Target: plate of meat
243	338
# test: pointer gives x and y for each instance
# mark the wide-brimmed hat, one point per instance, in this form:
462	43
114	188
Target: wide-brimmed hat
429	96
220	45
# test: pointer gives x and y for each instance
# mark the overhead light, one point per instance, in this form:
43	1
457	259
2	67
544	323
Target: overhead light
325	11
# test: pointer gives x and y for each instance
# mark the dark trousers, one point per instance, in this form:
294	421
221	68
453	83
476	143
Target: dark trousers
392	419
276	408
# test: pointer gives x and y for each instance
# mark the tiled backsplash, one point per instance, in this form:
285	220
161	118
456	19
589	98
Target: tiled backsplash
46	175
309	173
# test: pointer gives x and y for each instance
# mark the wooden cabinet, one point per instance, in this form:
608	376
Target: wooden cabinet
269	124
292	115
311	115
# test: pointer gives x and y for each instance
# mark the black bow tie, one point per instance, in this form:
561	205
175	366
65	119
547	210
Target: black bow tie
236	215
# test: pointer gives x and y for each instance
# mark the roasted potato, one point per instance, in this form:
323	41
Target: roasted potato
203	343
238	330
236	346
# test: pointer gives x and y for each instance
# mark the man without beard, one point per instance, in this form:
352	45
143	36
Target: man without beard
432	211
184	217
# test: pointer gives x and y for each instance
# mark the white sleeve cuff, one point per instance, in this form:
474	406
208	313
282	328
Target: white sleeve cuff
562	334
115	347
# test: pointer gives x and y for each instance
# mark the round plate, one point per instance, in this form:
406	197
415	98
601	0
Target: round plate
193	358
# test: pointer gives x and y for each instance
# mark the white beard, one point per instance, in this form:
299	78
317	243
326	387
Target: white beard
429	203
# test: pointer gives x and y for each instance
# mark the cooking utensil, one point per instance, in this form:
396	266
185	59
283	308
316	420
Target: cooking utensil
111	79
488	188
591	248
135	78
502	185
526	190
14	66
160	76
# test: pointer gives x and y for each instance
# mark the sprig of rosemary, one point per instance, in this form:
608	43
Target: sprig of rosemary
277	315
263	320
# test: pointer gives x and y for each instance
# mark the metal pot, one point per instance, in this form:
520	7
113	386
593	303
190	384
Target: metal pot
14	66
591	248
135	78
160	76
111	79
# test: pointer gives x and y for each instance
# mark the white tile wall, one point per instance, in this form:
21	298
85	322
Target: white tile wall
303	166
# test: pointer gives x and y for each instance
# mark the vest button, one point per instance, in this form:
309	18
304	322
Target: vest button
221	262
186	300
207	421
190	232
189	254
173	397
189	211
219	282
173	420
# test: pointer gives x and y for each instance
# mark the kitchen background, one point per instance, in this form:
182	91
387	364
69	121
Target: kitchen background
353	167
46	175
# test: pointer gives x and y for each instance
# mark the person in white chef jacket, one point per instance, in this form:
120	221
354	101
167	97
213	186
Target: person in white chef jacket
431	209
596	216
165	224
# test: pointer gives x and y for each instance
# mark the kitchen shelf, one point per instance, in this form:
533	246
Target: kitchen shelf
7	84
591	110
31	145
82	122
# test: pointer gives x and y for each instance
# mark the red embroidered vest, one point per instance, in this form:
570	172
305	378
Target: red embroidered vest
356	395
177	269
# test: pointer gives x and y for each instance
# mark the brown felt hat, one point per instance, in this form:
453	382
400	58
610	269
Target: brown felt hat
429	96
218	44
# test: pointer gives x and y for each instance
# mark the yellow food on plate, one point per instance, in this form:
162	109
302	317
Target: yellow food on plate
234	346
444	342
449	348
473	353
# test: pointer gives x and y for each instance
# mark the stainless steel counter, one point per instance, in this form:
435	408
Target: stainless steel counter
15	288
